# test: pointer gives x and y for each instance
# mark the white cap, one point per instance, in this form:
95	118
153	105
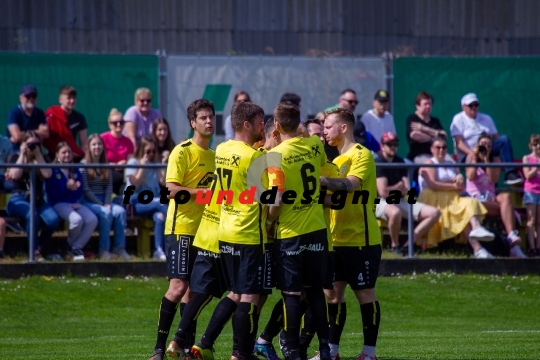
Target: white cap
469	99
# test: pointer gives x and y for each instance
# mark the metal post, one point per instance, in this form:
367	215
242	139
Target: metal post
32	236
410	220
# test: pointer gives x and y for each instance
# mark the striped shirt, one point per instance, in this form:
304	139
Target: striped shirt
96	186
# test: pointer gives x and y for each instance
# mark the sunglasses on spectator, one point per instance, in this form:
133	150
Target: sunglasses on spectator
392	144
31	96
535	144
118	123
444	147
150	152
351	102
474	105
145	101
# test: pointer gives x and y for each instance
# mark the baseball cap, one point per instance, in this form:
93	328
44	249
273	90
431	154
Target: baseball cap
359	132
28	89
388	137
469	99
381	95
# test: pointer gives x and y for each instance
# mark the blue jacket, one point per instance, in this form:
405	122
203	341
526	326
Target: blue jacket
57	191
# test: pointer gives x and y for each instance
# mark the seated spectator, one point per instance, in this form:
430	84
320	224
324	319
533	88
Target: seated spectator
118	148
2	237
149	179
467	126
440	188
97	191
390	179
19	201
531	197
140	117
481	186
64	190
378	120
6	150
422	128
161	134
240	96
26	116
66	123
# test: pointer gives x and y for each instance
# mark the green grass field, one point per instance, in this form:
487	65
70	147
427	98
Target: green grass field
427	316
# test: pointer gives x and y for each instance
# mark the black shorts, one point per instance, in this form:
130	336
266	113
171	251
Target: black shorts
359	267
181	255
207	274
301	261
330	272
243	266
268	279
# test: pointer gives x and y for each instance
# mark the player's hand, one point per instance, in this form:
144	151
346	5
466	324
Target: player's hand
165	156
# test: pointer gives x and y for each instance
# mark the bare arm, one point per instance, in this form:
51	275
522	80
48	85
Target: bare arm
349	184
16	173
429	176
83	138
274	211
420	137
131	130
16	135
494	172
45	172
529	172
384	190
470	172
43	131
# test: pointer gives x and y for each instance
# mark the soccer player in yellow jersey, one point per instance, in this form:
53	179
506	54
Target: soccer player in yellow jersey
241	234
190	169
355	232
301	245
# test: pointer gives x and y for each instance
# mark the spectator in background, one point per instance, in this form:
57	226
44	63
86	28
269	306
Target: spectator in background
378	120
531	197
364	137
292	98
440	188
19	201
239	97
65	123
314	128
149	179
320	116
140	117
118	148
347	100
481	186
26	116
97	191
467	126
64	190
391	179
6	150
161	134
422	128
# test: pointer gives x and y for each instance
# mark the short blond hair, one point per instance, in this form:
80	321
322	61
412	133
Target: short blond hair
142	91
114	111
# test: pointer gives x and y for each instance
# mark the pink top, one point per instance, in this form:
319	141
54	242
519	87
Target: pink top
481	185
144	123
533	185
117	149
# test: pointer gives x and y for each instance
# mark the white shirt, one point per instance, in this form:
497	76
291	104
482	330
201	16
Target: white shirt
376	125
471	129
444	174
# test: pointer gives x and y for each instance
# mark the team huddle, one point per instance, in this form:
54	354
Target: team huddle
299	245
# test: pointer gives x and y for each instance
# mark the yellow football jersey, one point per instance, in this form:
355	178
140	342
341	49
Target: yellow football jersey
301	163
239	223
207	233
355	224
329	170
193	167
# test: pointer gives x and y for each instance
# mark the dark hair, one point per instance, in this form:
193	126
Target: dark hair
68	90
244	111
169	141
196	106
346	91
269	127
143	142
60	145
343	115
534	137
423	95
28	134
484	135
102	159
242	92
437	138
312	121
288	116
292	97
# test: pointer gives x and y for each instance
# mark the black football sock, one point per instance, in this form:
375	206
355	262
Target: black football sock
317	305
275	323
235	334
245	329
338	315
167	311
222	314
371	318
185	336
307	331
292	316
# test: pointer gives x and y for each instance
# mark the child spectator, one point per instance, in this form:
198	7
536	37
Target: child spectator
149	179
97	191
161	135
118	148
64	190
19	201
531	197
139	118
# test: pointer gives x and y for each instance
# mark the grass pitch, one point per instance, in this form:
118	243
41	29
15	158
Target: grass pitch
424	316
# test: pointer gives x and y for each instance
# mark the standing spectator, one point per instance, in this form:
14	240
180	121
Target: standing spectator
65	123
239	97
139	118
378	120
531	198
422	128
19	202
364	137
467	126
6	150
149	179
26	116
440	188
347	100
161	134
391	179
97	191
64	190
118	148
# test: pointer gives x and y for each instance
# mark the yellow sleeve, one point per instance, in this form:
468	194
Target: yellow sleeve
359	165
177	166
